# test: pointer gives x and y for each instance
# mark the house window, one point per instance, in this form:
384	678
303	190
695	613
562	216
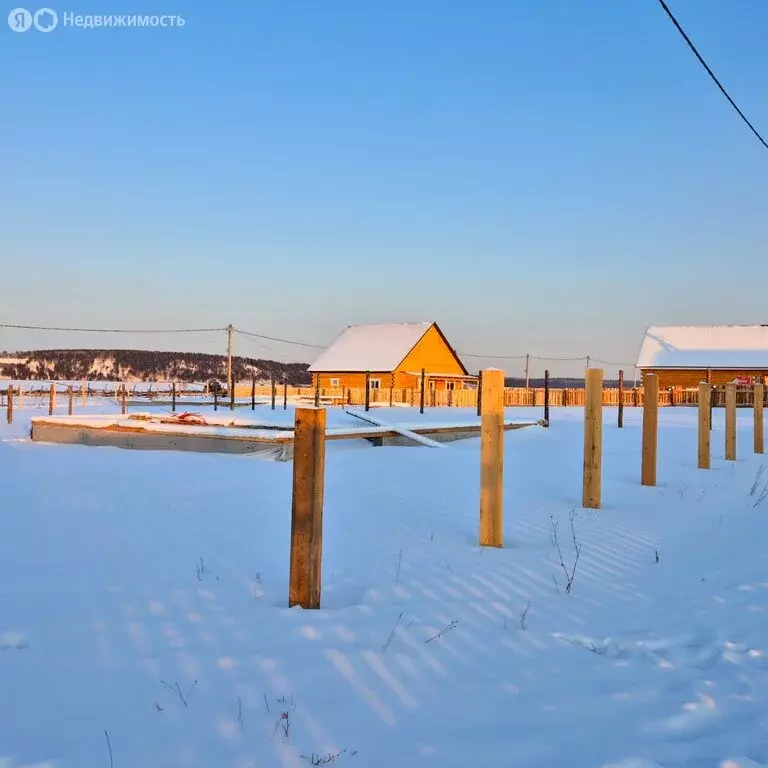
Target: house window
375	383
334	383
450	385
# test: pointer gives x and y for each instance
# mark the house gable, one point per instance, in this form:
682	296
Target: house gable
433	353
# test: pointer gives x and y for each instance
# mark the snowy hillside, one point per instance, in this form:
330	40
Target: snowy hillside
143	618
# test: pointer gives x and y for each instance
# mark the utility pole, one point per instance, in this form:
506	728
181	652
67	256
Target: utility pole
527	369
230	383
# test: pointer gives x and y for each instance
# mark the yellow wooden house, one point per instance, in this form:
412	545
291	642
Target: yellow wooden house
393	356
683	356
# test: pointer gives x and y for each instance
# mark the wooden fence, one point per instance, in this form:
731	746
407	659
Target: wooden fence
460	398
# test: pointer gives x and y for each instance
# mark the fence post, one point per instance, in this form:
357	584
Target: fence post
546	398
317	390
173	396
216	399
730	421
672	396
367	390
307	508
758	414
492	458
650	428
84	392
52	400
10	403
593	438
253	393
423	384
274	391
621	399
705	415
70	400
285	395
21	395
124	399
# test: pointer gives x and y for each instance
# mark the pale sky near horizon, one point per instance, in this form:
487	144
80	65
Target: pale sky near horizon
544	178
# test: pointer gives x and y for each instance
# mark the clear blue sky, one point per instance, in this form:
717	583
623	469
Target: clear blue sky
545	177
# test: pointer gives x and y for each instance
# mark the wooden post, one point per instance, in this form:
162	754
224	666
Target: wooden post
285	396
70	400
672	396
650	428
52	400
479	393
10	404
392	394
621	399
216	399
21	395
593	438
84	392
759	422
124	400
492	458
546	398
230	374
705	415
307	508
274	391
173	396
317	390
367	390
450	398
253	393
730	421
423	385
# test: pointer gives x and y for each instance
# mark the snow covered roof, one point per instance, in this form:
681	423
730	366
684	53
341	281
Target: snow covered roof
739	347
361	348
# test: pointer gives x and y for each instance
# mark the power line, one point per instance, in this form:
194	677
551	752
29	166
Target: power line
283	341
711	73
110	330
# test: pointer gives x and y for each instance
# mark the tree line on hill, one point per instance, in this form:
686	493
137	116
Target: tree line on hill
145	365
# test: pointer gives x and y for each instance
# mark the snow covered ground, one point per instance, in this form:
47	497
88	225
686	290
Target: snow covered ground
143	618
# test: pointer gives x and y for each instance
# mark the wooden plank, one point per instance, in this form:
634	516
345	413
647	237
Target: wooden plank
417	438
492	458
593	439
730	421
705	413
650	428
307	508
759	418
621	399
52	400
9	414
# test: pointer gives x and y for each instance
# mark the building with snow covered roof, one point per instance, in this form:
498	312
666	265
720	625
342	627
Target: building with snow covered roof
682	356
394	355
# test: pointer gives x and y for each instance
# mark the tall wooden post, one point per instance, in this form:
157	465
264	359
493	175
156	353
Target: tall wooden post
10	404
307	508
672	396
546	398
712	393
593	438
285	395
253	393
230	376
84	392
758	414
21	395
52	400
705	416
317	390
730	421
527	372
423	385
492	459
124	399
621	399
367	390
650	428
173	396
70	400
216	399
274	391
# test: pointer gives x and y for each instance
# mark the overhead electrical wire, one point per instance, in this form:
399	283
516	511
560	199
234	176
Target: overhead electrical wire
110	330
711	73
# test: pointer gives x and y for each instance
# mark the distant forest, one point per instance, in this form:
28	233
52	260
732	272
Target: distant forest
144	365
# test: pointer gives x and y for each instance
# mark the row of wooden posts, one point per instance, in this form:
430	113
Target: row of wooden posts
309	465
52	395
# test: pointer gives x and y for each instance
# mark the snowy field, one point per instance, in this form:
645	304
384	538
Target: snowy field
143	618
